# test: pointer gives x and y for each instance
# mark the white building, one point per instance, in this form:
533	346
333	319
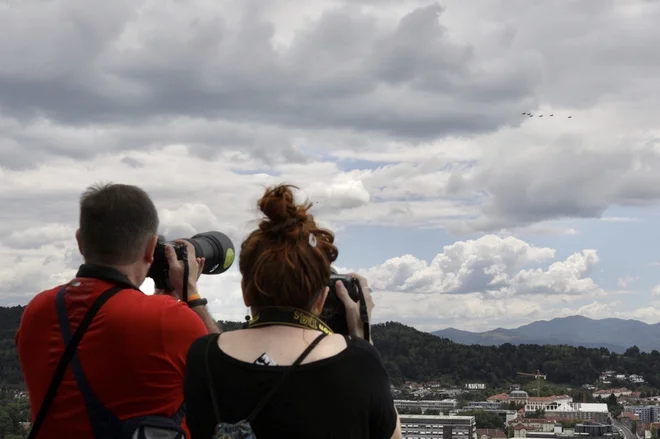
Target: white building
546	402
518	396
596	412
437	427
616	392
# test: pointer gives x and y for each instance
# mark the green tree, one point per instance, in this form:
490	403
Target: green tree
412	355
538	413
485	419
611	401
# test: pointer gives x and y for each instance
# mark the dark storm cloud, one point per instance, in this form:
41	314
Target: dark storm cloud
128	76
346	71
590	51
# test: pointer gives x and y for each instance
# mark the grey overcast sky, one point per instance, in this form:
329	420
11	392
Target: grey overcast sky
402	119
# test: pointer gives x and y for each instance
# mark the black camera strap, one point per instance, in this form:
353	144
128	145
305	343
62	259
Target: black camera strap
364	313
186	274
68	355
279	315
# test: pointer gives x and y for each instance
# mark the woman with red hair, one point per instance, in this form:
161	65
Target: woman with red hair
287	375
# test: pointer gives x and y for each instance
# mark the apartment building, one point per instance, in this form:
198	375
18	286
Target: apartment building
444	405
437	427
594	412
647	413
552	428
484	405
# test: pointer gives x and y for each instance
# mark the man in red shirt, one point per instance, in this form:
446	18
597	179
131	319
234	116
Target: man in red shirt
133	354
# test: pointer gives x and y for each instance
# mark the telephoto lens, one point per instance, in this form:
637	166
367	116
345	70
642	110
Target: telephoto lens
216	248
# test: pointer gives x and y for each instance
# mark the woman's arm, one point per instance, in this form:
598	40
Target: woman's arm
397	430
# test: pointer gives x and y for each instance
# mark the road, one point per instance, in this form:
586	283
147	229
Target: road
625	430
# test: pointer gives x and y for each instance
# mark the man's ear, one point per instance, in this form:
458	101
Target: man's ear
149	249
79	241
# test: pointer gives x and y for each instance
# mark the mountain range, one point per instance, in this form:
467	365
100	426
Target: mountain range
617	335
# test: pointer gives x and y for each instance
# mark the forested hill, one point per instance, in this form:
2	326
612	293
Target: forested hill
409	354
10	371
419	356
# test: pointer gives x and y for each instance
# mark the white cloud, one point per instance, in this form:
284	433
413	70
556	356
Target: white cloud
656	291
398	114
482	284
36	237
626	281
488	265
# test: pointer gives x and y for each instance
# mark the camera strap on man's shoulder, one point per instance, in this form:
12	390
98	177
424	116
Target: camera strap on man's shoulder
104	423
69	353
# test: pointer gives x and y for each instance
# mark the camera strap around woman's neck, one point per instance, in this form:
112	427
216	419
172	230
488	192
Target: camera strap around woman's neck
286	316
271	392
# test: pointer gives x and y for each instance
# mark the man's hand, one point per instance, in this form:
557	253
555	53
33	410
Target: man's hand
195	266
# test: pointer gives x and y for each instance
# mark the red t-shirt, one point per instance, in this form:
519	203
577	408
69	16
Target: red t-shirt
133	354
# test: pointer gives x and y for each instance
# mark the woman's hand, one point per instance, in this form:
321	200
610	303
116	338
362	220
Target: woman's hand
353	319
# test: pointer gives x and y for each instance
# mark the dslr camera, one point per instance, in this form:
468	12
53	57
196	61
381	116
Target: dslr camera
215	247
334	311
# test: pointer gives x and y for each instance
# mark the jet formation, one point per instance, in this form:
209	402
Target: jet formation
540	115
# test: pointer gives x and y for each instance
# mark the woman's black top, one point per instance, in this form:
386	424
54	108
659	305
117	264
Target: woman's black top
344	396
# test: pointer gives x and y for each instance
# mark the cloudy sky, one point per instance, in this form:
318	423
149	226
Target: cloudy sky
402	119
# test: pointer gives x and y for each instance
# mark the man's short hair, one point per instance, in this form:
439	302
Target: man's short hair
116	222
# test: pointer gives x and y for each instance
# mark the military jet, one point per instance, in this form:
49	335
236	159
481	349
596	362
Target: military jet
540	115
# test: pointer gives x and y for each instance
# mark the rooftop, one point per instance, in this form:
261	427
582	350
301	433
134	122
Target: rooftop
427	401
592	407
583	407
458	418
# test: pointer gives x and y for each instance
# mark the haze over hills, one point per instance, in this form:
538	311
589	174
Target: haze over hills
614	334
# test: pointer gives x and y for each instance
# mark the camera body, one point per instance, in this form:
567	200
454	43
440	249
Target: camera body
334	311
215	247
